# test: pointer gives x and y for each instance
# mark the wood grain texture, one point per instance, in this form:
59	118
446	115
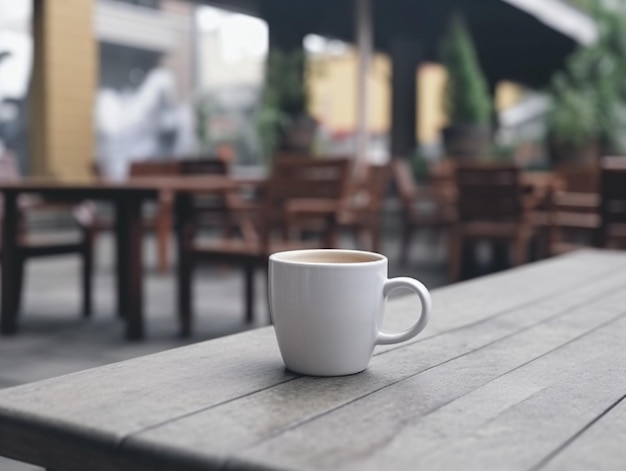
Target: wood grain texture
512	368
246	421
600	446
385	426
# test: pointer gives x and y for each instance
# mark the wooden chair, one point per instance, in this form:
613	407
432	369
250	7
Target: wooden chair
612	230
437	197
492	205
210	208
30	245
362	210
298	189
161	221
570	218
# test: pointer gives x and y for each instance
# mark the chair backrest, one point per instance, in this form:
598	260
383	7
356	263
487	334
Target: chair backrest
580	178
403	177
307	178
154	169
205	166
613	199
9	169
489	192
187	166
374	187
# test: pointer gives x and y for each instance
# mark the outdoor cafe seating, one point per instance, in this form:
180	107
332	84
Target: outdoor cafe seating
491	204
30	244
613	203
160	218
298	191
438	197
362	210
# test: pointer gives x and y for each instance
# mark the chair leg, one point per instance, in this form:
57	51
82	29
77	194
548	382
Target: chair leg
185	295
362	237
520	251
405	244
19	284
87	273
376	239
163	231
455	260
266	280
249	291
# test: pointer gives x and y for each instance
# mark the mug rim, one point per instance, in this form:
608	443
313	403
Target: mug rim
280	258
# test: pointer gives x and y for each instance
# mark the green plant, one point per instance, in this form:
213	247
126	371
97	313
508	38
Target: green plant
269	120
572	121
419	165
202	126
285	80
466	97
284	98
589	96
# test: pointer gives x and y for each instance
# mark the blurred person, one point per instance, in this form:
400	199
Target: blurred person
141	124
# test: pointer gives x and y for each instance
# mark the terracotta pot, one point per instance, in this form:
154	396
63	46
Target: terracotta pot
564	154
471	142
299	134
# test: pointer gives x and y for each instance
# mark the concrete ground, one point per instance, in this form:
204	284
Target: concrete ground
54	340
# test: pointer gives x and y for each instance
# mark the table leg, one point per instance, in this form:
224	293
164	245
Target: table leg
10	261
184	239
163	230
129	231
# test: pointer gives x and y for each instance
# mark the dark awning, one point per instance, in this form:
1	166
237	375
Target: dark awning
520	40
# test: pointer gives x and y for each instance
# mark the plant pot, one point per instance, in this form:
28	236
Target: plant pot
563	154
467	141
299	134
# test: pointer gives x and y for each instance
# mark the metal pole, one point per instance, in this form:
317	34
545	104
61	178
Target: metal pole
364	41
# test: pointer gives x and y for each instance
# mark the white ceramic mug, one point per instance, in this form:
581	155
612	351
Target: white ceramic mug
327	307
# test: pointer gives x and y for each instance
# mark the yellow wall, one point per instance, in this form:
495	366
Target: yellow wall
332	88
64	83
332	91
508	94
431	117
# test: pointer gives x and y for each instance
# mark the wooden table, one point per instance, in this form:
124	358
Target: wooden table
127	198
520	370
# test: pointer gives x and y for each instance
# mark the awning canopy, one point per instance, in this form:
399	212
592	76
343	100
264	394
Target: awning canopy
519	40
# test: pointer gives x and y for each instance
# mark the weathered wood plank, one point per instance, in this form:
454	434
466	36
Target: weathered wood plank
477	300
126	397
113	400
232	427
359	433
104	406
601	446
496	427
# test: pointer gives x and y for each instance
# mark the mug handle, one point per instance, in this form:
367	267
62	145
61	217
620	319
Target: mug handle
421	291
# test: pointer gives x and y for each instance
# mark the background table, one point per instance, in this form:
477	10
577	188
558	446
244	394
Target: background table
520	370
127	198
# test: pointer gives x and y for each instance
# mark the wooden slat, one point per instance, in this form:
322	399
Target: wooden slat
362	421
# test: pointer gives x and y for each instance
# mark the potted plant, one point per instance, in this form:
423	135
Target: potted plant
283	120
467	101
572	123
588	113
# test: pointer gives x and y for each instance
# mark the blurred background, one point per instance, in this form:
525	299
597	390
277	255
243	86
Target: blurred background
128	80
